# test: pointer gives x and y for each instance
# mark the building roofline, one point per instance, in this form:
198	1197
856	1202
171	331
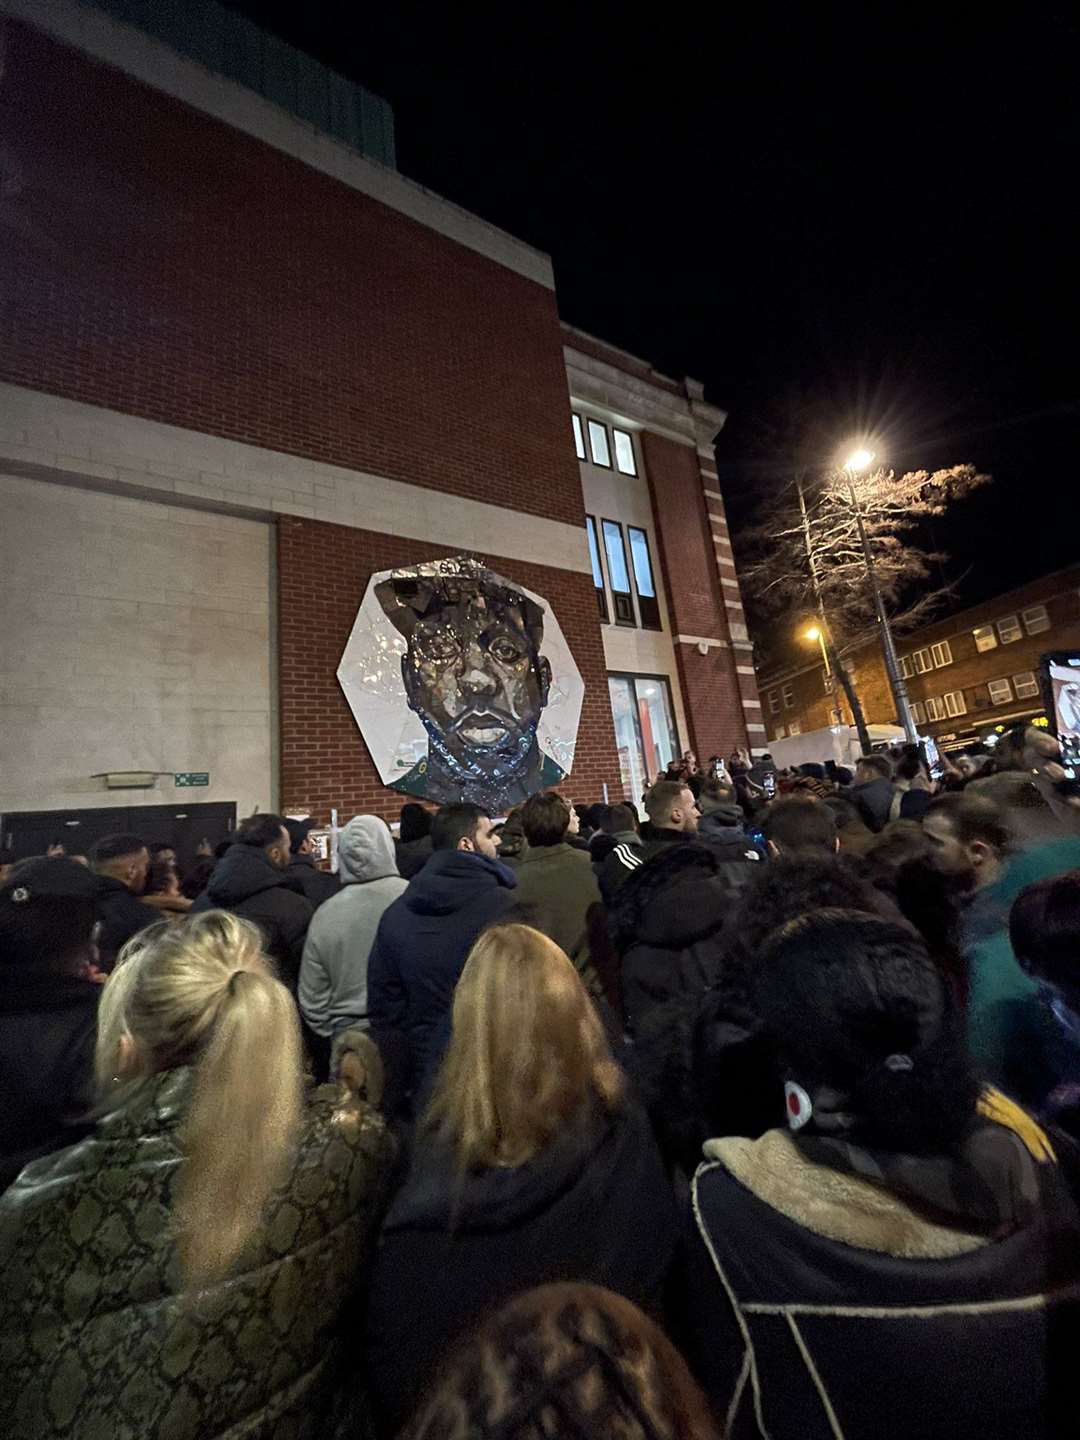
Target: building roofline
157	65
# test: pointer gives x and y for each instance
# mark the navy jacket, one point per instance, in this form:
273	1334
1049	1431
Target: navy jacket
423	941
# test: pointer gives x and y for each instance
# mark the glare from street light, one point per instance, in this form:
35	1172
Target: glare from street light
859	460
812	634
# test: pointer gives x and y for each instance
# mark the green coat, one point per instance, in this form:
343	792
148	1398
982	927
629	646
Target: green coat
95	1341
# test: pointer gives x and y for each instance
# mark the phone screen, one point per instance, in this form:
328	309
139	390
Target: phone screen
768	784
1064	676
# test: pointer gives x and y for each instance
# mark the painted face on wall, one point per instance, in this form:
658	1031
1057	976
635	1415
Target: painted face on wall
473	675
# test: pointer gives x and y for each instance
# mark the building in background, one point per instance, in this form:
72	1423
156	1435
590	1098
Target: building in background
246	365
968	675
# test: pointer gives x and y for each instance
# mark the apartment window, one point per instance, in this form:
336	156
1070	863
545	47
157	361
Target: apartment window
1025	685
598	444
597	567
935	710
624	452
789	697
648	604
941	653
781	732
1035	619
1000	691
774	702
645	731
905	667
923	662
1008	628
955	704
918	712
795	728
579	438
618	573
985	639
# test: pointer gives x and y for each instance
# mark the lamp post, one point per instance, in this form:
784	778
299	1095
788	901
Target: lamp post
857	462
815	633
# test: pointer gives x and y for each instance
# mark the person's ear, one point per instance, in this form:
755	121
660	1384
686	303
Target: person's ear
979	851
774	849
467	844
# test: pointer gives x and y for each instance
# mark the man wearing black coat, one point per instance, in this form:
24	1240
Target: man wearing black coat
251	879
315	885
673	820
120	863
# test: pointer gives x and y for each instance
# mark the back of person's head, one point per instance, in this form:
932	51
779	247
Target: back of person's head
261	832
161	847
544	819
415	822
864	1022
224	846
843	776
162	878
200	993
910	763
454	823
619	820
716	792
48	909
900	841
299	830
973	819
527	1056
565	1360
116	852
1044	926
197	878
873	767
666	803
847	814
800	825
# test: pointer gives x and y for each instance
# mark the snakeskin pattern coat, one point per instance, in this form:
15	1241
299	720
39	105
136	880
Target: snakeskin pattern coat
95	1338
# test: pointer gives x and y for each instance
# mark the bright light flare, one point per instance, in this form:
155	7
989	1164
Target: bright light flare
813	633
859	460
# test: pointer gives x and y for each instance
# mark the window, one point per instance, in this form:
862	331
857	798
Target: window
923	662
1025	685
598	444
597	568
781	731
1008	628
905	667
935	710
1000	691
648	605
645	731
985	639
789	697
1035	619
918	712
955	704
579	438
795	728
941	653
774	702
624	452
618	574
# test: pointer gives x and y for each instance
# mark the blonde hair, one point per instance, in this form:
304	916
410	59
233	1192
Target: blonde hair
201	993
527	1055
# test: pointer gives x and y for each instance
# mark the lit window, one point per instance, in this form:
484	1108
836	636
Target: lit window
774	702
643	577
598	444
795	728
1035	619
618	573
1025	685
624	452
579	438
955	704
1008	628
923	662
781	731
789	697
905	667
935	710
645	731
597	568
918	713
985	639
941	653
1000	691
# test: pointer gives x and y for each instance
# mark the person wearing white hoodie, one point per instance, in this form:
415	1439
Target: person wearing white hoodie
333	973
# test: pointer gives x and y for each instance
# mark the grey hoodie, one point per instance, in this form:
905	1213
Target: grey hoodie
333	973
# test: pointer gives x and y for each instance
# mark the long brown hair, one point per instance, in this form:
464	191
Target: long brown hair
201	993
528	1052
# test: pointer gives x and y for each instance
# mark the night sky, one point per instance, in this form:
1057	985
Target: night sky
875	208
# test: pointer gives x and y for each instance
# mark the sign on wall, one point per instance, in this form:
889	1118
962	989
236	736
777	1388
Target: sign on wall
191	777
462	684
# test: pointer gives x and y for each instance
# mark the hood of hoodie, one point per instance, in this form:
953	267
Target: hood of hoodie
244	871
365	851
719	817
451	879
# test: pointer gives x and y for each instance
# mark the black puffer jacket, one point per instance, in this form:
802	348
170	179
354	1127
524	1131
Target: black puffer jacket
122	916
314	884
246	882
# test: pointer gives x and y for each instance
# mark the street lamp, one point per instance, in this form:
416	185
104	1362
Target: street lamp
857	462
815	633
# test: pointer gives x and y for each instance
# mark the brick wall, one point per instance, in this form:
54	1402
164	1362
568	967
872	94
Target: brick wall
323	571
709	682
159	263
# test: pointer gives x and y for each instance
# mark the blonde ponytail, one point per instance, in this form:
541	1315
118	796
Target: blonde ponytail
200	993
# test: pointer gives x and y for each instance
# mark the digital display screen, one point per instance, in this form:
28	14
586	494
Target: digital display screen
1064	678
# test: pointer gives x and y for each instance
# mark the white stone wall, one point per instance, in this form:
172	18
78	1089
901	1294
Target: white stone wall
134	636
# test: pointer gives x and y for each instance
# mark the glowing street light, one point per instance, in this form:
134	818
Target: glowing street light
815	632
859	460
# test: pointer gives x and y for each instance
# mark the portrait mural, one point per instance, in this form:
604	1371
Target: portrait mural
462	684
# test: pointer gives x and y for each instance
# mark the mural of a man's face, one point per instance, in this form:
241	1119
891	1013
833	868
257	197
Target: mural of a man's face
473	674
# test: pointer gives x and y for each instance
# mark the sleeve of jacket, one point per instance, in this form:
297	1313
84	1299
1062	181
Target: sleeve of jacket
619	866
386	993
313	991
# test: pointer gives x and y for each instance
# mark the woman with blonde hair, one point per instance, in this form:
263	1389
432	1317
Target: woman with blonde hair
181	1271
532	1165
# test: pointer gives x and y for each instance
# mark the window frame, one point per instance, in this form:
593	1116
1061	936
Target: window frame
618	430
985	632
918	712
616	595
946	650
922	661
1030	682
601	590
787	694
958	706
934	701
645	603
795	727
590	421
1000	699
632	677
1035	629
579	436
1015	625
773	698
906	668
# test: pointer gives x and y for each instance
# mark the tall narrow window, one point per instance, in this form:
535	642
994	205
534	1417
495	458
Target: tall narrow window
624	452
618	573
579	438
644	729
941	654
648	604
597	568
598	444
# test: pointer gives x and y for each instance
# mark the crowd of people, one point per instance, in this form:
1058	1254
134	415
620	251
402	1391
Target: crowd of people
756	1115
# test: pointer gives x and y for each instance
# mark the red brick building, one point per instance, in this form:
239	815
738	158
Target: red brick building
246	364
968	675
